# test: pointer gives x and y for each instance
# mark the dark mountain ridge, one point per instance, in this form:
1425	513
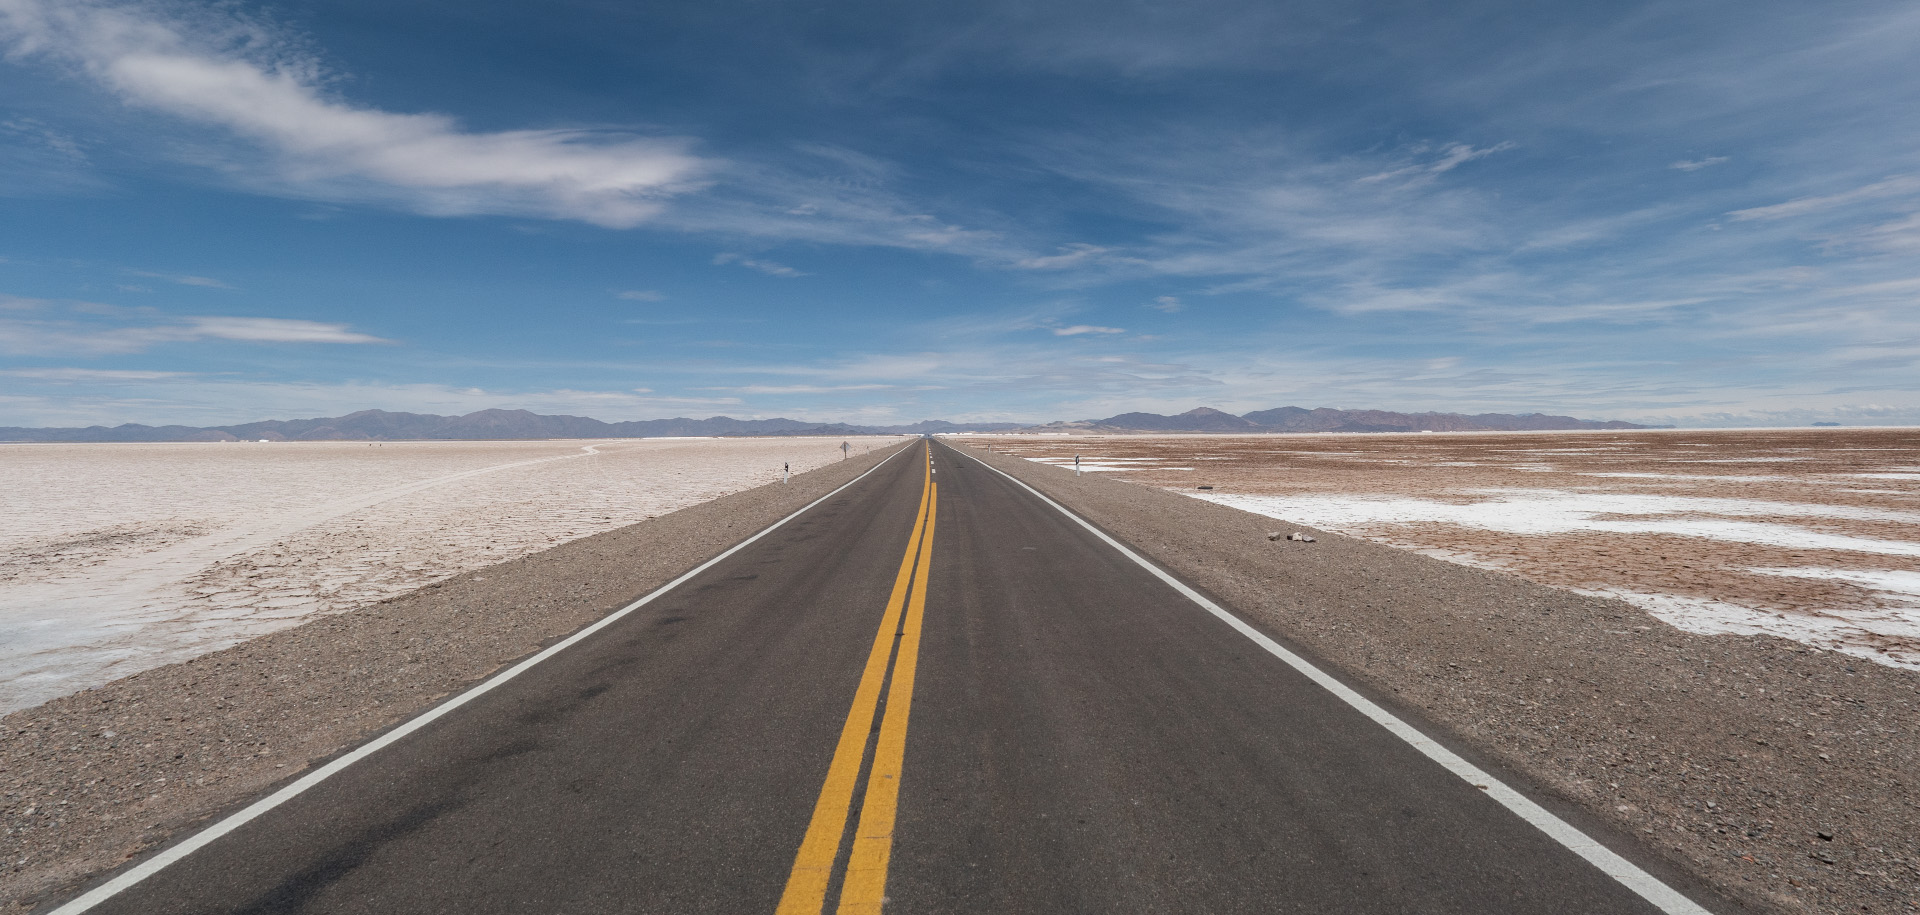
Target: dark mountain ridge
502	425
484	425
1328	419
1325	419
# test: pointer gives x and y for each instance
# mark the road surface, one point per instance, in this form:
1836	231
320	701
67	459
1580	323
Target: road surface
932	691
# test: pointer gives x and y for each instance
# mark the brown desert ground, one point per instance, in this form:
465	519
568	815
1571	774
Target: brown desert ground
1807	534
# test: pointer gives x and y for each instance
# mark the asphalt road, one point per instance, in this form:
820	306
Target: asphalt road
931	688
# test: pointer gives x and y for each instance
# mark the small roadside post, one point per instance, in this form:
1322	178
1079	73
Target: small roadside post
1076	465
786	470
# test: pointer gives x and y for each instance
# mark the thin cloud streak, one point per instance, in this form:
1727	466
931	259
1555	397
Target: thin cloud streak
65	336
322	147
204	282
1892	188
1451	156
1695	165
767	267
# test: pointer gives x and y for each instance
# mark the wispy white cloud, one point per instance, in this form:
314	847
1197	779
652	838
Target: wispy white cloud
81	375
1891	188
99	330
1167	303
640	295
824	194
37	159
1898	236
1438	161
1076	330
767	267
762	389
1249	211
274	330
1694	165
234	75
183	279
1073	255
36	132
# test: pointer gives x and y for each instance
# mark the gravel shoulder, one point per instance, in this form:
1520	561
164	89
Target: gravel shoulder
1779	774
91	780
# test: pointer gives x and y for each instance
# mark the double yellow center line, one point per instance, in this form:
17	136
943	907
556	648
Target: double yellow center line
864	888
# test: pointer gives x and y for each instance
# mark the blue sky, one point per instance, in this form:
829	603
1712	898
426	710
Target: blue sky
1699	213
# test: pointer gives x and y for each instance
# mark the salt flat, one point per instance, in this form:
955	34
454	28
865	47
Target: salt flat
120	557
1811	535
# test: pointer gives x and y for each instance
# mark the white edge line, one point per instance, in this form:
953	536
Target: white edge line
1649	887
160	861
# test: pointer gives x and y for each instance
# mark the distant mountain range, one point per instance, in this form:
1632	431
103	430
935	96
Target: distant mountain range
498	425
485	425
1327	419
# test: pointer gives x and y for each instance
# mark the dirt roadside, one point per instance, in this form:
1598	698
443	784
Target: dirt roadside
1779	774
91	780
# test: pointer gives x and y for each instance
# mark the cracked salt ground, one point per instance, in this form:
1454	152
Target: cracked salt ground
118	558
1876	628
1551	511
1801	551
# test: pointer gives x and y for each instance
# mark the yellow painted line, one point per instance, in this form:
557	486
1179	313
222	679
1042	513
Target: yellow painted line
866	885
806	890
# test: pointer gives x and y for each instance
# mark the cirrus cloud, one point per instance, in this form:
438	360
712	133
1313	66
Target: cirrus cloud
102	330
274	330
233	75
767	267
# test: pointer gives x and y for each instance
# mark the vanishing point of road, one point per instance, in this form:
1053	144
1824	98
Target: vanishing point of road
932	691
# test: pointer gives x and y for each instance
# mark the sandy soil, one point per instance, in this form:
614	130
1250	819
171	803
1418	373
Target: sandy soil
1781	774
119	558
1812	535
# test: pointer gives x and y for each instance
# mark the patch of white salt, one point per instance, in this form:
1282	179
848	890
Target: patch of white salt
118	558
1884	635
1552	511
1886	581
